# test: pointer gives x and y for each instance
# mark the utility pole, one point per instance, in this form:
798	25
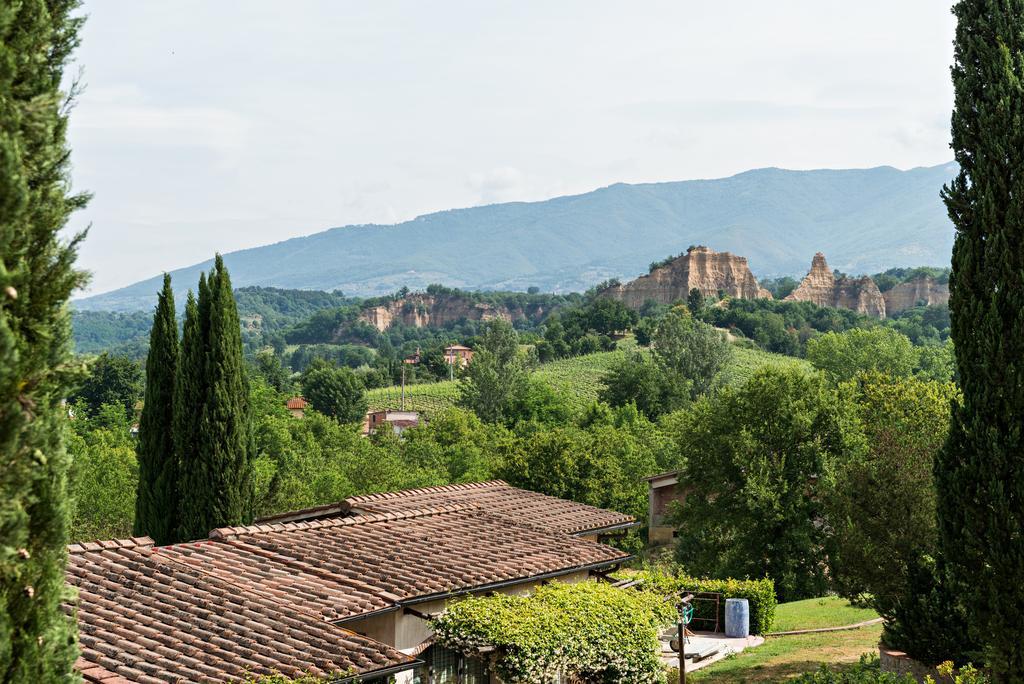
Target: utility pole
683	603
409	360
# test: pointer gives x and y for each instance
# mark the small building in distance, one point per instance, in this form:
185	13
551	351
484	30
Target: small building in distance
297	407
458	354
400	421
662	490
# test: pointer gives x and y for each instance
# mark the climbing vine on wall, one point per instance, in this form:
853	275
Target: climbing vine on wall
589	631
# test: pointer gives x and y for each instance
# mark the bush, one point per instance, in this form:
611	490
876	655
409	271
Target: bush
759	593
590	631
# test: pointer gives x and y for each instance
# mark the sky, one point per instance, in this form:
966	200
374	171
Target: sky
216	126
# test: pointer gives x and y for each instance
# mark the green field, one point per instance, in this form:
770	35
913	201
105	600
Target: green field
783	657
579	377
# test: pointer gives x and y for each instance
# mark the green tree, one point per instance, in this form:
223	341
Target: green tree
980	472
267	364
104	475
689	354
496	374
882	512
756	461
111	380
695	301
213	434
636	379
335	392
37	276
156	501
843	355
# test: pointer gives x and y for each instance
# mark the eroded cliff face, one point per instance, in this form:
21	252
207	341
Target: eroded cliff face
701	268
921	290
422	310
821	287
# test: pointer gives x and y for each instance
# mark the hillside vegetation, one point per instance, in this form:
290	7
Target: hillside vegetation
579	378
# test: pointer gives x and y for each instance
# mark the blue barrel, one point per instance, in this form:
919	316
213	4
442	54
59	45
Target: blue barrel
737	618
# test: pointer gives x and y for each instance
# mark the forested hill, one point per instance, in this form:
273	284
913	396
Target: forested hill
868	220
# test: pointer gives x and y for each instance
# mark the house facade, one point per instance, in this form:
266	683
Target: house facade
457	354
398	421
662	491
345	589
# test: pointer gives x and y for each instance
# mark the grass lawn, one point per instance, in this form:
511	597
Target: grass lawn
781	658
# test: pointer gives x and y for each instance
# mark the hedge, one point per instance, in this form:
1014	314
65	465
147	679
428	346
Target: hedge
759	593
590	631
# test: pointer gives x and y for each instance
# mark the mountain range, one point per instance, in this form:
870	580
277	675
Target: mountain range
867	220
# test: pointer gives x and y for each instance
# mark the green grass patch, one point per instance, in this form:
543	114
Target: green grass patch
816	613
783	657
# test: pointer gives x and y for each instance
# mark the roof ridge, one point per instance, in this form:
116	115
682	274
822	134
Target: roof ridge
108	544
227	533
459	487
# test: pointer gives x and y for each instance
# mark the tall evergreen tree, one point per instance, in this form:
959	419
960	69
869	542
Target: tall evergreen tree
213	421
980	473
37	276
156	500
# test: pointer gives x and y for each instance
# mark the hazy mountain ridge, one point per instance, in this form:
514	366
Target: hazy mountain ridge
867	219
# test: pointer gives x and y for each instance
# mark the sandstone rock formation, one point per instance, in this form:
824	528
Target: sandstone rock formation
422	310
701	268
921	290
821	287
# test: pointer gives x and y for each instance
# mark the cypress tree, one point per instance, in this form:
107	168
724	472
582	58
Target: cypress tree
980	472
187	410
216	460
37	276
156	500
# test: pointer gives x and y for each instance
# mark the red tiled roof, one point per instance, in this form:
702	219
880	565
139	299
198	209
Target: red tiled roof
296	403
400	557
518	506
145	618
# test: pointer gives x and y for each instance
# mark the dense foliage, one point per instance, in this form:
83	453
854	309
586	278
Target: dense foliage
882	510
587	631
980	473
111	380
497	374
37	276
756	462
335	392
686	359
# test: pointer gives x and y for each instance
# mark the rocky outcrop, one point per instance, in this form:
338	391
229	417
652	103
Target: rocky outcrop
920	290
702	268
821	287
423	310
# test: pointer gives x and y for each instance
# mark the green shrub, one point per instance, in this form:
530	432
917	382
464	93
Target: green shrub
590	631
760	594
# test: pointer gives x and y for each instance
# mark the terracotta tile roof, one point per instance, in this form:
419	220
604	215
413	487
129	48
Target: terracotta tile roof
296	403
145	618
401	557
518	506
